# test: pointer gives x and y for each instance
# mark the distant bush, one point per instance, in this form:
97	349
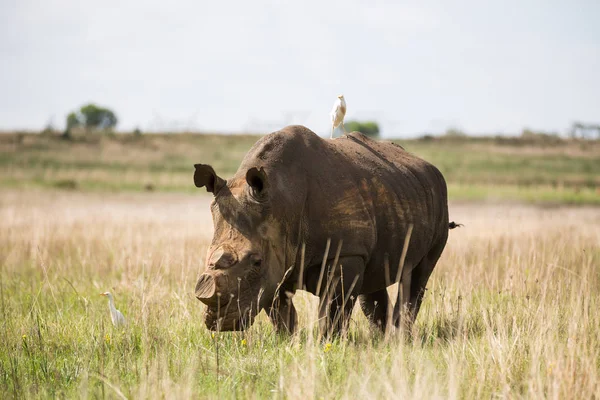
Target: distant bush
369	128
66	184
540	137
48	130
66	135
455	133
427	137
91	116
529	134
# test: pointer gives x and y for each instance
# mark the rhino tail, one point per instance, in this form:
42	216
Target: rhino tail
453	225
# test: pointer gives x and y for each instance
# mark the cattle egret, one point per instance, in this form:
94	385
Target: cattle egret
337	114
117	318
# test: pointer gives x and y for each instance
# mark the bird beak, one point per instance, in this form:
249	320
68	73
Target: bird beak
340	96
102	294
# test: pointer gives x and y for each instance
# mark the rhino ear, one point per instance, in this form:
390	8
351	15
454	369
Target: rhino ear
257	180
205	175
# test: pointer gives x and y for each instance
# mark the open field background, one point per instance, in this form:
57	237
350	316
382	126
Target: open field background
547	170
511	310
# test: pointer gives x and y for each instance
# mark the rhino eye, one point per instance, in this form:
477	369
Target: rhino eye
256	261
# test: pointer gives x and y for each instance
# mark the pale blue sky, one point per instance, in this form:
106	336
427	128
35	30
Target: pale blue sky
415	67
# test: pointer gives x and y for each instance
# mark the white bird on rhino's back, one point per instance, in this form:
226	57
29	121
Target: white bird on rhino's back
337	114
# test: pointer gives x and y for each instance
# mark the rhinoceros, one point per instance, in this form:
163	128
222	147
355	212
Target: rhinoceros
342	219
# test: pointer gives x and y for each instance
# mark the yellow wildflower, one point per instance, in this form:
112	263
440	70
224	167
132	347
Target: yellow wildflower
24	337
107	338
327	347
244	342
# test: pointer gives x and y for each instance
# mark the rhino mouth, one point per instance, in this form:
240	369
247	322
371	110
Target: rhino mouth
229	318
232	304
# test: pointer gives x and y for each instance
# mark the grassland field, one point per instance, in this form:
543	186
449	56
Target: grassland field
511	310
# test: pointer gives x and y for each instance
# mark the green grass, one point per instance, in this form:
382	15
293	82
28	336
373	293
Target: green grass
560	171
511	310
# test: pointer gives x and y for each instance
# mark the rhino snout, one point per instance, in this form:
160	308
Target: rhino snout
206	288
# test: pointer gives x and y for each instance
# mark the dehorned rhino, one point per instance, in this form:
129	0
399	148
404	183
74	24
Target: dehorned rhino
343	219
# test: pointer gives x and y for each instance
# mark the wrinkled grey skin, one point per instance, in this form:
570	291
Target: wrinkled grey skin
295	188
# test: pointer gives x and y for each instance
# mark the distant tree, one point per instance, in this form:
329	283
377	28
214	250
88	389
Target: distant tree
72	121
92	116
98	117
585	131
369	128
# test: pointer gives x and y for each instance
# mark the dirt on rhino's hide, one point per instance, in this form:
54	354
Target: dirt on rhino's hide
327	216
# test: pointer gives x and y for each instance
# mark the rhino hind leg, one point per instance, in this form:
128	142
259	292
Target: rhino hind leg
375	307
413	286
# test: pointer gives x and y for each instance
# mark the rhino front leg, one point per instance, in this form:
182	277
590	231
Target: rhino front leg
338	295
283	313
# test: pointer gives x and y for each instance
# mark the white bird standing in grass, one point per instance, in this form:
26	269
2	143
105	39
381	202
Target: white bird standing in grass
338	113
117	318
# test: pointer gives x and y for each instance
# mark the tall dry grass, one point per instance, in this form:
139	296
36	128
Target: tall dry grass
511	310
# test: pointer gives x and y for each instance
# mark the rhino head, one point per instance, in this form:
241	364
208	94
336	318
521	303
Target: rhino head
247	257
